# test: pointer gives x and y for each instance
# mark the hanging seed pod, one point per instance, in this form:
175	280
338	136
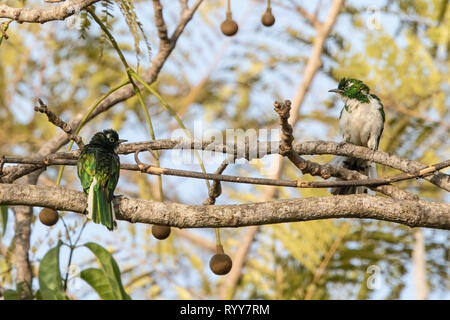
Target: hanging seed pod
267	18
229	27
160	232
48	216
220	263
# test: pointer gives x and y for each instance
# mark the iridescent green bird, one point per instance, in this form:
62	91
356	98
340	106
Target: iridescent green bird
99	169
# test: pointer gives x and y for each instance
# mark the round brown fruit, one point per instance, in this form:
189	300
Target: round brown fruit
48	216
160	232
267	18
229	27
220	264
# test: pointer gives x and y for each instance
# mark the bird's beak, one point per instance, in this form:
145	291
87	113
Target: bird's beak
335	91
122	141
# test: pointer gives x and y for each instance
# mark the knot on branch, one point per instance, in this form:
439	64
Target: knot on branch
283	109
216	189
316	169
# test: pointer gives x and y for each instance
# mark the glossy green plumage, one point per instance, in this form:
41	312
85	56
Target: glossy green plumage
98	169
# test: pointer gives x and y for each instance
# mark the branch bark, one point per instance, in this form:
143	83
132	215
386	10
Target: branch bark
413	213
44	14
311	69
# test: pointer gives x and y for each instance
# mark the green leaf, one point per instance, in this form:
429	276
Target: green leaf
4	215
111	269
50	281
11	295
98	280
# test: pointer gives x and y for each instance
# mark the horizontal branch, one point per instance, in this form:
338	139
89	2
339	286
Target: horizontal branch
44	14
47	161
111	100
319	147
413	213
439	179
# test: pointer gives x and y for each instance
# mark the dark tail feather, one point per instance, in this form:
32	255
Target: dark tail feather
365	167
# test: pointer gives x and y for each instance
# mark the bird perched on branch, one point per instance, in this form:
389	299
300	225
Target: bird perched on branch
361	122
98	168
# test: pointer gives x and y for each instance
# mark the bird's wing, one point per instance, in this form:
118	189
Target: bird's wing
107	172
86	168
114	173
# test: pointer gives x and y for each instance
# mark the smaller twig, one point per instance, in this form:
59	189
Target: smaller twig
57	121
184	5
2	163
216	189
283	109
317	10
312	18
160	23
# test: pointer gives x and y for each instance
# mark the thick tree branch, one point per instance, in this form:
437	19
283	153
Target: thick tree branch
45	14
413	213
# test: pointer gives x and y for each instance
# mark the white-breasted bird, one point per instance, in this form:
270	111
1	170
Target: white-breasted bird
361	122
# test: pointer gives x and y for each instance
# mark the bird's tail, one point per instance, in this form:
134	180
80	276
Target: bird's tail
363	166
100	209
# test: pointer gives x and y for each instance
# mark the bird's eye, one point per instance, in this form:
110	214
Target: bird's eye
111	139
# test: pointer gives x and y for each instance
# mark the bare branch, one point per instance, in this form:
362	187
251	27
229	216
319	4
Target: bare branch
186	16
311	18
57	121
215	190
45	14
217	176
413	213
184	5
413	169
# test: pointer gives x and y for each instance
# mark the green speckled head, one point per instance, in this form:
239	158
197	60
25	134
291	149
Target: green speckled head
353	89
